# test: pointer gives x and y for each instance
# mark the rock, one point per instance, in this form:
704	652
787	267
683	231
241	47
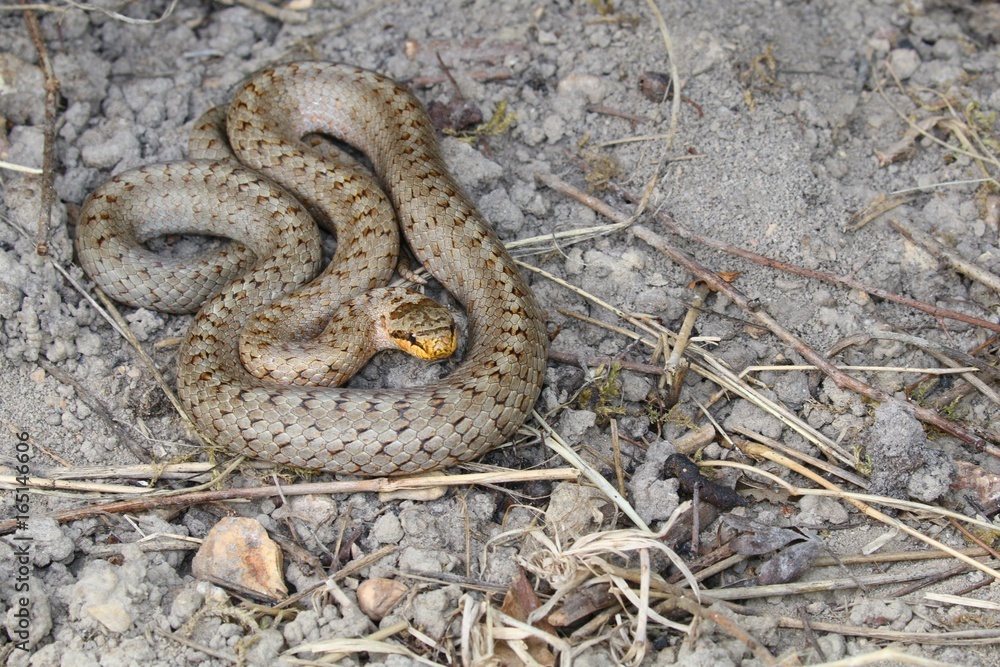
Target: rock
75	658
144	323
112	615
312	517
472	170
654	497
502	212
313	509
573	424
747	415
432	611
575	510
905	462
879	614
50	542
109	144
100	596
238	554
187	602
22	96
377	597
26	146
413	559
265	651
591	87
816	512
387	529
29	624
904	62
554	128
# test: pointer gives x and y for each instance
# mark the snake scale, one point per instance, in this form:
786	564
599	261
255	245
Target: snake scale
276	249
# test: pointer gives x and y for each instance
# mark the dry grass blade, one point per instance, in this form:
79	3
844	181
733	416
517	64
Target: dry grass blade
11	482
555	442
347	647
572	566
869	369
188	471
675	77
963	601
88	7
536	245
953	123
884	655
17	167
759	451
513	629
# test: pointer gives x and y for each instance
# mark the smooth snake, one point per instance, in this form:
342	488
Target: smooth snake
276	249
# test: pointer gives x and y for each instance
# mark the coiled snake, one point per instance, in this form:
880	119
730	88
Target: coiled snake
276	249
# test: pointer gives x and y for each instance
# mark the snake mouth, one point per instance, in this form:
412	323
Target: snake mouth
429	345
423	328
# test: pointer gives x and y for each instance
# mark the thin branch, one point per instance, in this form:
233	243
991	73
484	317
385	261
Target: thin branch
842	380
377	485
825	276
48	192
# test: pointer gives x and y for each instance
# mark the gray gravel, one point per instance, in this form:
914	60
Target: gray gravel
778	168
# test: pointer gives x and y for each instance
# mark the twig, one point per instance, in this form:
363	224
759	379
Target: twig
938	250
41	484
98	406
932	579
608	111
219	655
378	485
185	471
48	192
581	360
959	637
760	451
730	628
825	276
817	586
895	557
714	281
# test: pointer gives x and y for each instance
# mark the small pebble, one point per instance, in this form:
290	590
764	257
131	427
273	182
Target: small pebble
377	597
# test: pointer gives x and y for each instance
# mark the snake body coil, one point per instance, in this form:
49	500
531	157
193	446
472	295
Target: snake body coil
357	431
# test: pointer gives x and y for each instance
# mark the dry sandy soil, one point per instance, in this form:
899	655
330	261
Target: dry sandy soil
791	124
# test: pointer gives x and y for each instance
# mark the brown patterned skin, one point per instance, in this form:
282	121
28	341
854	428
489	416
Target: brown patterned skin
357	431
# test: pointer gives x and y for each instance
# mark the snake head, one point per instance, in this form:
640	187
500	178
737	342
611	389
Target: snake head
420	326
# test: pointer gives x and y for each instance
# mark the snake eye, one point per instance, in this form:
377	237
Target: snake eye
413	339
